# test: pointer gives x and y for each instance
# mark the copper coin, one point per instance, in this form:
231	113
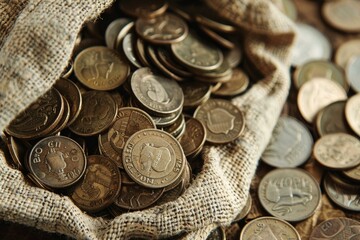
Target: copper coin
224	122
194	137
128	48
353	173
352	113
113	30
107	150
130	120
353	72
153	158
342	15
310	44
63	120
320	69
98	113
291	194
136	197
237	84
346	51
57	161
331	119
336	229
290	144
195	93
72	94
100	185
196	53
164	29
343	194
144	9
101	68
337	151
217	38
159	95
39	118
317	94
269	228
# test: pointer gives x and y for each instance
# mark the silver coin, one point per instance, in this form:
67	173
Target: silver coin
129	51
353	73
290	145
289	194
336	229
310	44
113	30
352	113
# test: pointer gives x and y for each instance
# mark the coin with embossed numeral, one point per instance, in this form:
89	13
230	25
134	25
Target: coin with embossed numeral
100	185
101	68
224	122
289	194
269	228
336	229
337	151
153	158
57	161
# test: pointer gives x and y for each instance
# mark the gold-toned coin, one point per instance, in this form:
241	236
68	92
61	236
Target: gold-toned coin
72	94
63	120
144	9
165	58
57	161
101	68
100	186
215	25
237	84
320	69
220	74
194	137
98	113
342	15
40	118
196	53
316	94
159	95
163	29
337	151
222	41
195	93
347	50
353	173
153	158
224	122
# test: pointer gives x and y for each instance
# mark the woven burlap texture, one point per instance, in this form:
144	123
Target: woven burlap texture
36	41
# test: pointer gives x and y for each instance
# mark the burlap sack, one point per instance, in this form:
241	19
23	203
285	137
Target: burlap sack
36	41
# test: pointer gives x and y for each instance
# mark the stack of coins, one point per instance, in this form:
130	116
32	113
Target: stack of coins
123	128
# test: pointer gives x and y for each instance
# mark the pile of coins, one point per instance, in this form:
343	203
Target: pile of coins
122	129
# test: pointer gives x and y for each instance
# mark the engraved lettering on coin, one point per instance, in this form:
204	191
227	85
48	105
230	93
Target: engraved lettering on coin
289	194
290	144
57	161
337	229
337	151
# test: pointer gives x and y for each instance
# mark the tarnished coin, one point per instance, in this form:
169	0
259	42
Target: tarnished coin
144	9
128	48
165	58
309	45
18	151
194	137
196	53
346	51
224	122
101	68
63	120
129	121
317	94
269	228
237	84
342	193
136	197
113	30
177	127
107	150
57	161
215	25
337	151
159	95
72	94
320	69
353	72
140	52
336	229
290	144
40	118
195	93
222	41
343	15
289	194
166	121
98	113
353	173
246	209
222	73
164	29
217	234
331	119
352	113
153	158
100	186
